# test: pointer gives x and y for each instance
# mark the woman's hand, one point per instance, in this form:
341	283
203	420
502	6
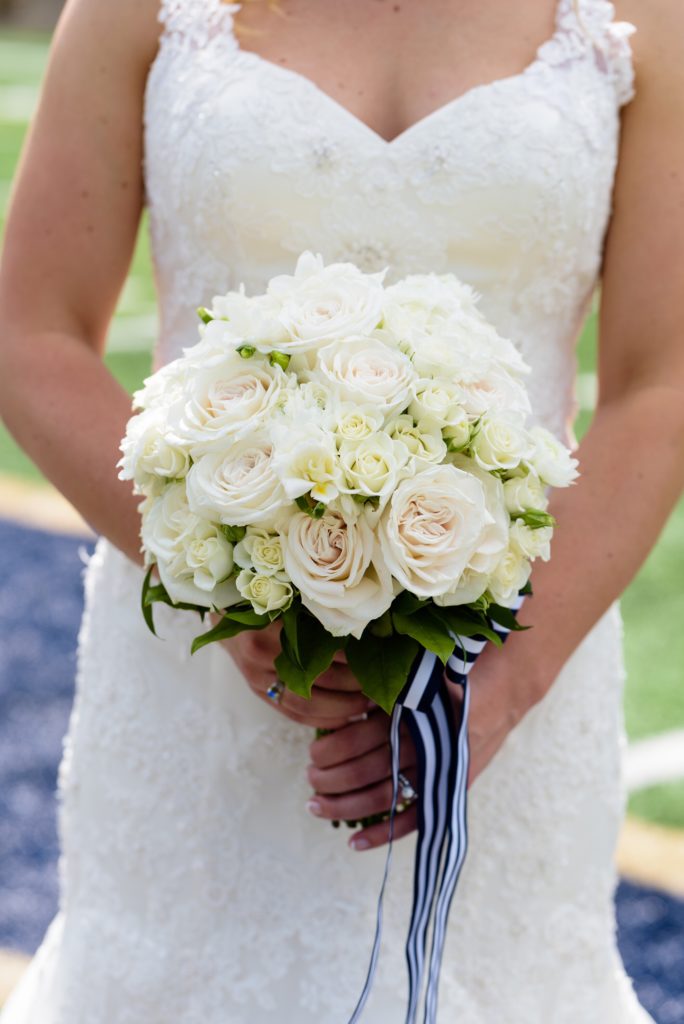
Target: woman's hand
351	769
335	698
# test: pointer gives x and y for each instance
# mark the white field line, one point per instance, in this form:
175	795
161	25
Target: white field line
656	760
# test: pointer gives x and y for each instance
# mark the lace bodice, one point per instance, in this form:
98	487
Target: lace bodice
508	185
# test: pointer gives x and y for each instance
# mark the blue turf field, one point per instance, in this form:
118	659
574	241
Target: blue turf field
40	607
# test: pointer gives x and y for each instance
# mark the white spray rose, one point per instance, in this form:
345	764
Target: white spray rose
423	440
306	462
240	488
192	556
365	370
372	466
354	422
266	593
226	402
149	457
322	303
432	527
260	550
335	563
437	399
500	442
510	576
532	543
525	492
551	460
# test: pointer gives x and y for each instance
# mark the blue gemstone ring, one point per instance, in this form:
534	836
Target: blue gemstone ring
275	691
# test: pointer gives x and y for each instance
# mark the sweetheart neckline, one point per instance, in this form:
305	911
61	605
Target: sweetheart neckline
562	8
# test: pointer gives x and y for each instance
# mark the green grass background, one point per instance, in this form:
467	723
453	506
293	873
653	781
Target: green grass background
653	606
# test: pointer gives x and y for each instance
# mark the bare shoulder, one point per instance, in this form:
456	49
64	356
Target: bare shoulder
658	43
126	32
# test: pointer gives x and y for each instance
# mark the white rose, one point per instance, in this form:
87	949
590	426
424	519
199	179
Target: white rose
319	303
266	593
365	370
491	545
457	432
240	488
260	550
164	387
423	440
551	460
532	543
500	442
335	563
509	577
525	492
226	402
306	462
426	304
493	391
192	556
438	400
432	527
246	320
371	466
354	422
149	457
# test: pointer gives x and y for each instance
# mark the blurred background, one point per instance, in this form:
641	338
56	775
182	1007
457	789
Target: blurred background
42	539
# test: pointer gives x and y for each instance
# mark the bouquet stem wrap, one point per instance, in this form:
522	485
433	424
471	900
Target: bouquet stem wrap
443	761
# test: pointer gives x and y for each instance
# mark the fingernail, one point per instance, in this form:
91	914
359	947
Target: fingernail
313	807
359	844
359	718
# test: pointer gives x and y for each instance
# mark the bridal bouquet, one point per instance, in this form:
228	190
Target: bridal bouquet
351	458
357	461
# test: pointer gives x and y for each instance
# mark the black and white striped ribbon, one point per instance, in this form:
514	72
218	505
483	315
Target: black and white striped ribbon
442	839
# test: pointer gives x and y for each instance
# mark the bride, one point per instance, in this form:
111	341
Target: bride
200	878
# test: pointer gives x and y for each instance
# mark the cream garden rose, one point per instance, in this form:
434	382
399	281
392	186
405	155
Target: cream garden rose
322	303
239	488
525	492
368	371
260	550
225	402
372	466
432	527
335	563
149	457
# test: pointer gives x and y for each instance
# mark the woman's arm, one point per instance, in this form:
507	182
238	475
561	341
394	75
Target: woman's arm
70	235
632	458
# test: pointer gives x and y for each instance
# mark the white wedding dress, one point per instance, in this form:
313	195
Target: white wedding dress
195	888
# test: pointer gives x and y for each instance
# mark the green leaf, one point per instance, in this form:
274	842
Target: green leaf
462	622
407	604
315	509
382	665
527	589
146	603
429	630
316	650
505	617
234	534
535	518
233	622
290	619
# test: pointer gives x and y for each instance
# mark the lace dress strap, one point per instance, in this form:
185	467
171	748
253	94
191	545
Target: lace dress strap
195	23
611	39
